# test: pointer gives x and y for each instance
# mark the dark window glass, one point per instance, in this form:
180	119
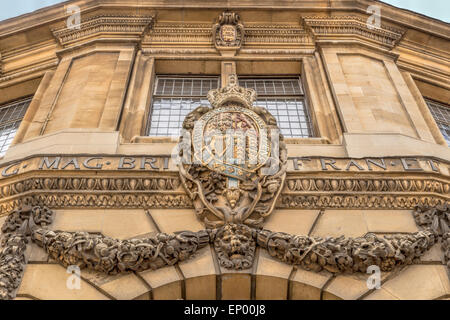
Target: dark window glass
11	116
174	98
284	98
441	114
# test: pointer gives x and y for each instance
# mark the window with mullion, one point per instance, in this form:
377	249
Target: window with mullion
174	98
11	116
284	99
441	114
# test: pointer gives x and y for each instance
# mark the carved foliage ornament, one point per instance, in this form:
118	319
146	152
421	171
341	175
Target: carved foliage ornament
112	256
235	245
14	244
437	220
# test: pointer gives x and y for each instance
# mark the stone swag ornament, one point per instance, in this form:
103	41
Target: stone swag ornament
232	164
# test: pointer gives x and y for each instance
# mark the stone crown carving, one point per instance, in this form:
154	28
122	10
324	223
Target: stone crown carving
232	93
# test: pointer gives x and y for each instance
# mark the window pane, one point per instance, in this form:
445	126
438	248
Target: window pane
284	100
169	118
174	98
273	87
188	87
441	114
290	113
11	116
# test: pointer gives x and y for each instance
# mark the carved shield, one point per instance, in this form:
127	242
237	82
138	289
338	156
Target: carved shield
232	159
232	141
228	33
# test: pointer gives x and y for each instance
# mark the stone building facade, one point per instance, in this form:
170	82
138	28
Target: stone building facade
90	116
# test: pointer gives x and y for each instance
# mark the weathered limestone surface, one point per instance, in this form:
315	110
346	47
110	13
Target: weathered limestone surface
292	221
120	224
419	282
308	285
200	276
334	223
92	95
165	283
175	220
271	278
48	282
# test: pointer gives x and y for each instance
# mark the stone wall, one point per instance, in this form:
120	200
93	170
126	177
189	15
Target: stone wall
93	88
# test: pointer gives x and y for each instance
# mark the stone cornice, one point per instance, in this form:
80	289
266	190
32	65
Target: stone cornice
105	25
199	34
57	13
39	58
412	54
117	20
345	28
34	71
163	189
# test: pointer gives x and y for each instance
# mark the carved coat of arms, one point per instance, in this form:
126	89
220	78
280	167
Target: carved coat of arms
233	159
228	32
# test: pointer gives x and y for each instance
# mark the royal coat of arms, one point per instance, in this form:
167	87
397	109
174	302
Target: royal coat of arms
233	158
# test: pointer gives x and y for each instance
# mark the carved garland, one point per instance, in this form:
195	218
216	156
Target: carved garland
235	245
15	232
